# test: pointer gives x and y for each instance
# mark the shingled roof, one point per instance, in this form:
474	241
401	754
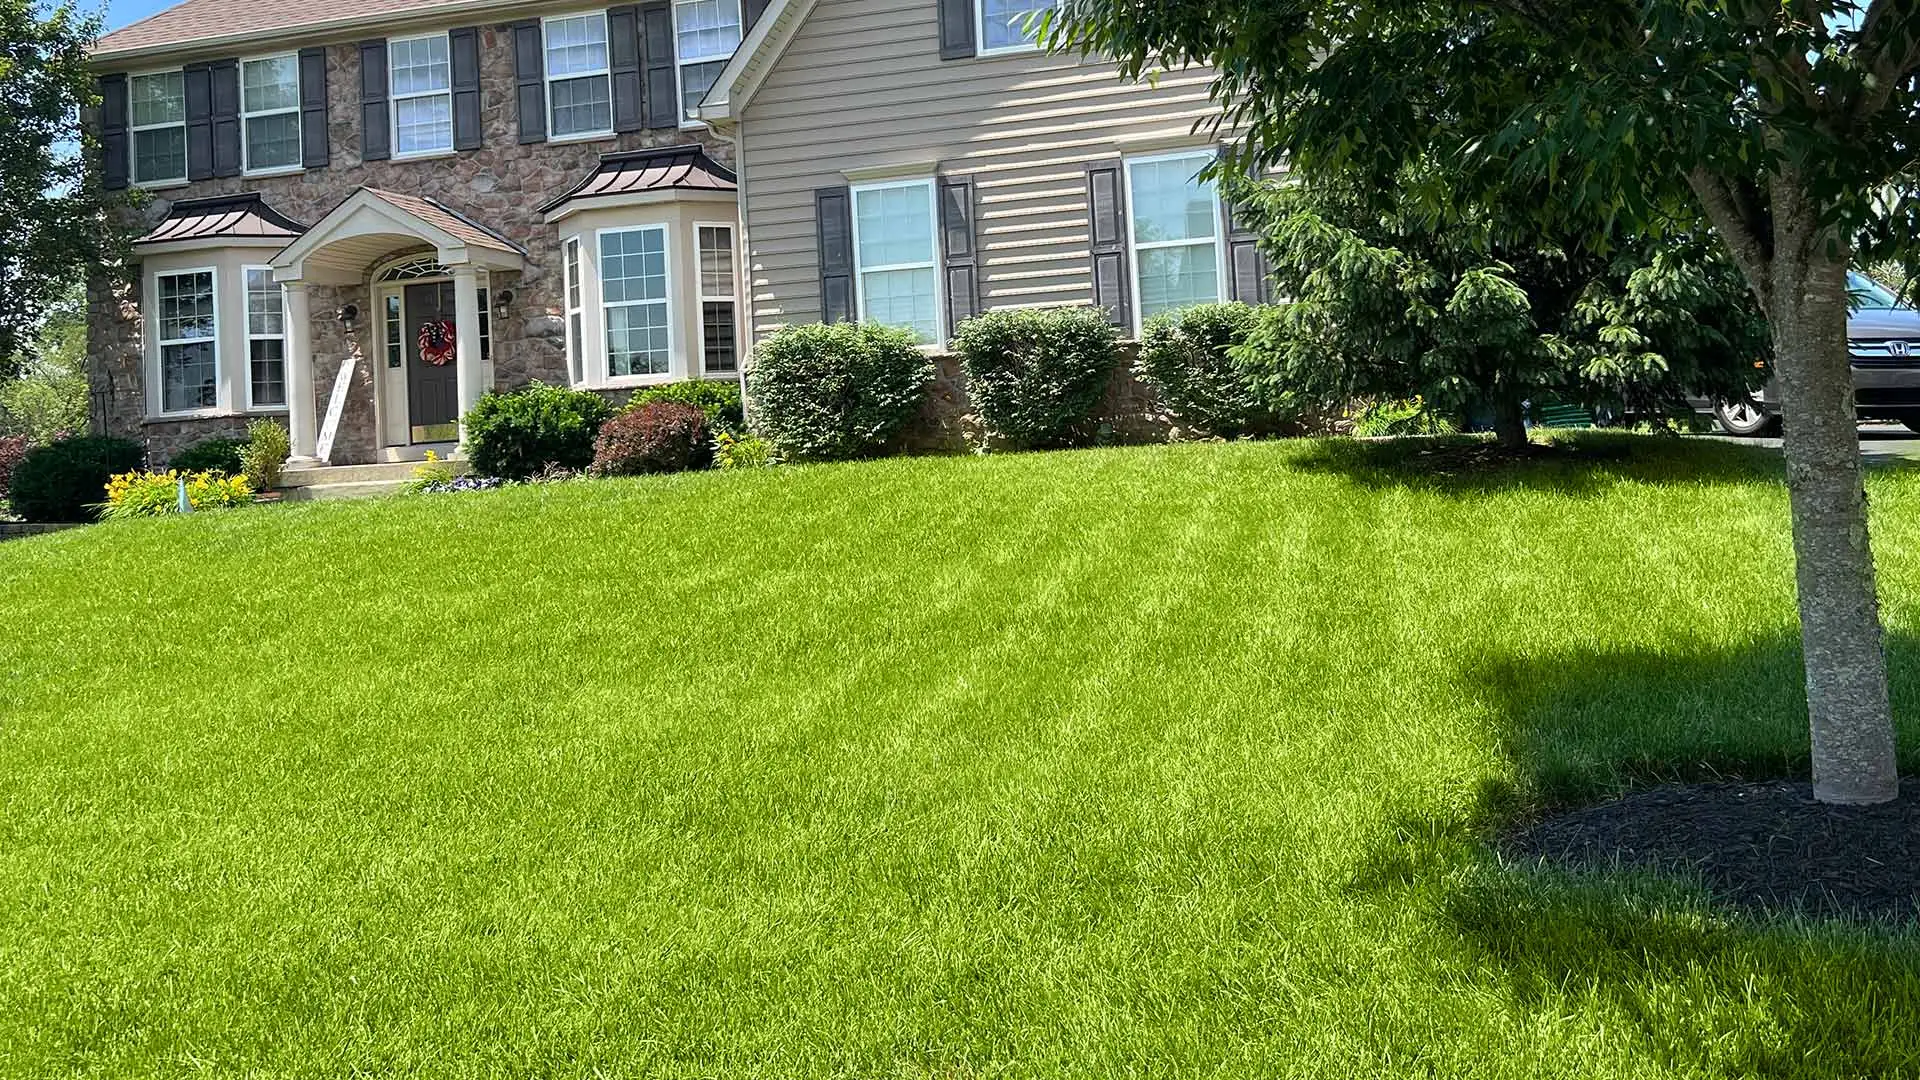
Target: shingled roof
666	168
222	217
192	22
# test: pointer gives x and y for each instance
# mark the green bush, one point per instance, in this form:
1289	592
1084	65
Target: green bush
265	454
823	393
1404	416
515	434
152	494
210	455
66	480
742	451
1036	376
1188	358
719	400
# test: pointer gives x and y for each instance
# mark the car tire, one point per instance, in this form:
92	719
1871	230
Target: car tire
1746	418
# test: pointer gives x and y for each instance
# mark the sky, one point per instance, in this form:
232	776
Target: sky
121	12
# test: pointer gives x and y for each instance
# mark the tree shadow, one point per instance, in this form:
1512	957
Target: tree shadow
1570	463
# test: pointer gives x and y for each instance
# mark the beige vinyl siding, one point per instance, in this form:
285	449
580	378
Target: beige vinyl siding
862	86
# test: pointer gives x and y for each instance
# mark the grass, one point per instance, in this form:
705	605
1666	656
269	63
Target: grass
1157	762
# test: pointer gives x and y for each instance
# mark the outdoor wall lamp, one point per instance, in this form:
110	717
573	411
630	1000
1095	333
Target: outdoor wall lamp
348	315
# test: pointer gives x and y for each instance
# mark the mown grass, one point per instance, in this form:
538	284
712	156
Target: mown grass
1155	762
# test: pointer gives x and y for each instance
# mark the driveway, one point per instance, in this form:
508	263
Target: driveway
1879	443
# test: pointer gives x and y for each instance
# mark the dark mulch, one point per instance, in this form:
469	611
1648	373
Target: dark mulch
1764	847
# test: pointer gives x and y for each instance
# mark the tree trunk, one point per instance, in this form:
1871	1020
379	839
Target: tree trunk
1853	740
1510	422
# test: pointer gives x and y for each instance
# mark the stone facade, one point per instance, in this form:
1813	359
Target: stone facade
500	185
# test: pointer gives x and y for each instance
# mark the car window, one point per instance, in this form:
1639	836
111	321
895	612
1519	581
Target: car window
1864	292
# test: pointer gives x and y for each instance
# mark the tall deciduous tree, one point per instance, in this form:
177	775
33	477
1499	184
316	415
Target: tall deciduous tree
49	223
1791	124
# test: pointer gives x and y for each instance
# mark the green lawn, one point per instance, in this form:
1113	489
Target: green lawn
1162	762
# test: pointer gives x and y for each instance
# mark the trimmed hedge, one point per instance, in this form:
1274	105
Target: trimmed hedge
210	455
1188	358
719	400
660	437
517	433
824	393
67	480
1036	376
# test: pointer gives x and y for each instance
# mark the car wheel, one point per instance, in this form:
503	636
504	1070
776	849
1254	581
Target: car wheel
1745	418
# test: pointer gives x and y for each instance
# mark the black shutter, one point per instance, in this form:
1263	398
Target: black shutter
116	145
530	80
957	249
463	47
833	208
1248	276
1107	233
313	108
656	48
376	132
623	61
956	29
225	77
754	9
198	83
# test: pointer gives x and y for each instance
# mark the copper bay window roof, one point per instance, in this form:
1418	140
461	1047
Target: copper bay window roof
667	168
223	217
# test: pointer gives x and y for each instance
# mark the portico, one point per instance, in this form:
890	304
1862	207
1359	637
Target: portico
373	229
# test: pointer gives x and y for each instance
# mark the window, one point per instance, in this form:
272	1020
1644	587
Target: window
706	33
270	112
893	256
1003	24
633	301
719	350
186	329
422	94
576	312
157	116
1175	229
396	350
579	89
266	341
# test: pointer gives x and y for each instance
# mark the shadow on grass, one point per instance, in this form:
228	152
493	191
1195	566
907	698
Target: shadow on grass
1570	464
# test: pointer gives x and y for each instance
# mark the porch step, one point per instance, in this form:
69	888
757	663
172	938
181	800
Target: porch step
353	481
363	489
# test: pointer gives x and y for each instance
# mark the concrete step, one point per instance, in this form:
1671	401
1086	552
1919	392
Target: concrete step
358	489
395	472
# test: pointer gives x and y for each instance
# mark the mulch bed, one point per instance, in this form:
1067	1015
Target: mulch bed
1766	847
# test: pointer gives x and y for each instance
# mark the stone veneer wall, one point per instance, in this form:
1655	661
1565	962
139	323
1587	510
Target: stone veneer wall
499	185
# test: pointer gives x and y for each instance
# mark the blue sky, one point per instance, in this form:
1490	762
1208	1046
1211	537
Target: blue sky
122	12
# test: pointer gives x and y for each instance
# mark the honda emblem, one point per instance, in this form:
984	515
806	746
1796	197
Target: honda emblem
1899	348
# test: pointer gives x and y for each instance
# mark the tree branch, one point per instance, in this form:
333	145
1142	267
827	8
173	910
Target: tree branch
1743	227
1887	59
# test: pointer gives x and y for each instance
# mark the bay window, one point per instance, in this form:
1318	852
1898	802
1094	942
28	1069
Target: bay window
705	34
270	112
719	306
187	330
579	80
266	340
894	255
634	306
576	313
157	119
421	75
1175	233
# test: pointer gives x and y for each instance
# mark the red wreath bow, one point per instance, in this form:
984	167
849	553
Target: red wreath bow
436	342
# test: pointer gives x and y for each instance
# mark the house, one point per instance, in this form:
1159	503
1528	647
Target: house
361	216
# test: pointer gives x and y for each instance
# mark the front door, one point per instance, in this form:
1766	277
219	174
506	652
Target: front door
433	380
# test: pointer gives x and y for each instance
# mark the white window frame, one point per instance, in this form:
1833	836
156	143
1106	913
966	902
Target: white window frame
600	375
940	328
1135	246
246	294
157	358
573	301
680	63
246	144
546	74
703	297
980	34
133	143
394	97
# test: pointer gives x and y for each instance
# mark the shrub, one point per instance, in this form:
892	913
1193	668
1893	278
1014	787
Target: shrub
823	393
1036	376
210	455
12	449
1409	416
719	400
1188	358
742	451
151	494
65	480
515	434
265	454
666	436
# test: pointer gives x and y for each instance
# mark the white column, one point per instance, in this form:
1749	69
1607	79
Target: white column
466	355
303	429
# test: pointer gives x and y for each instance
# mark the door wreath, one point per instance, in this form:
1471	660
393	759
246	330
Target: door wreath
436	342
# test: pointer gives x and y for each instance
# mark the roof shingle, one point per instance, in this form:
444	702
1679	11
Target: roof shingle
225	20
